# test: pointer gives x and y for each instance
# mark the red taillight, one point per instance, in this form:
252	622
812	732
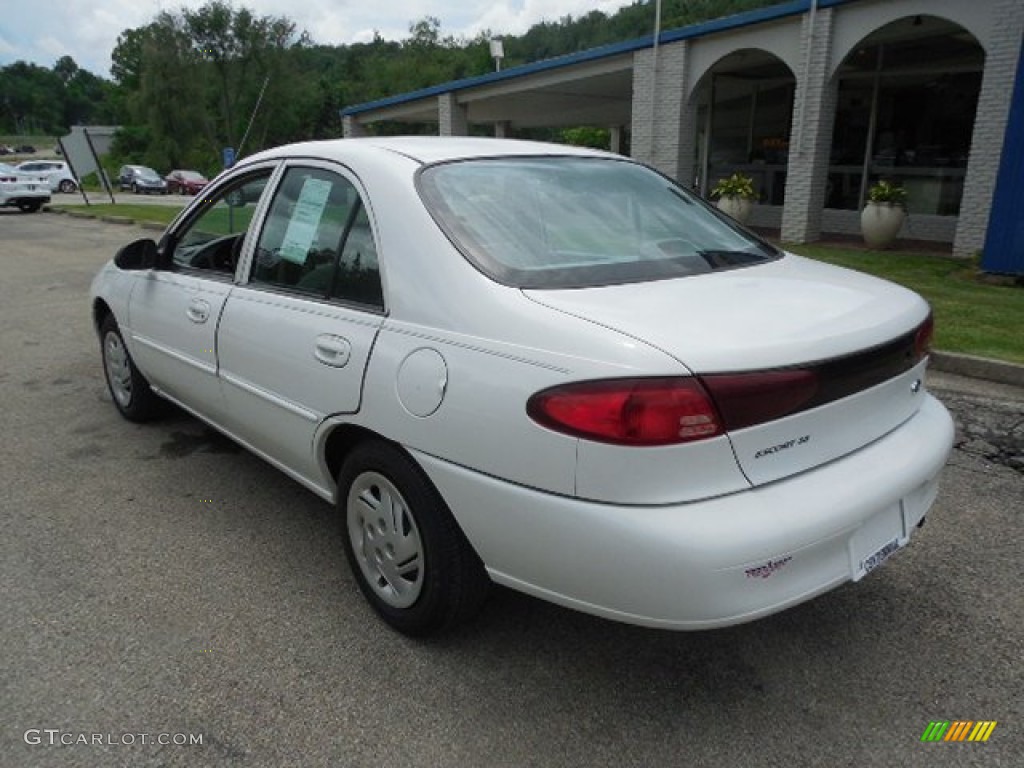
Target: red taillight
629	411
923	338
746	399
8	179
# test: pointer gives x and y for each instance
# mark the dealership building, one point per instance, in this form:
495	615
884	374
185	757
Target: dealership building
813	99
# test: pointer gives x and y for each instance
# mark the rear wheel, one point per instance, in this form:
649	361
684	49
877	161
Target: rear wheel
128	387
408	555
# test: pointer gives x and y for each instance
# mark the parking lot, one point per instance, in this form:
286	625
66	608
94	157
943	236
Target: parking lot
159	581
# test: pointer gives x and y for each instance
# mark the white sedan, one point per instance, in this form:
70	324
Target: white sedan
546	367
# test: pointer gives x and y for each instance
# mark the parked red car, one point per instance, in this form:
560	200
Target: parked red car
185	182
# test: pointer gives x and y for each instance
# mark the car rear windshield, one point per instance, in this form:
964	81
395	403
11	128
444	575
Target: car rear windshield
571	222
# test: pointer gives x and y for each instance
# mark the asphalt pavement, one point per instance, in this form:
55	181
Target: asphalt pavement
160	584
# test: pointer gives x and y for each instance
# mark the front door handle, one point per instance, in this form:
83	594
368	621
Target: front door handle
332	350
198	311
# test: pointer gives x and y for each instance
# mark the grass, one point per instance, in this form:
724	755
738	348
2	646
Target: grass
158	214
971	316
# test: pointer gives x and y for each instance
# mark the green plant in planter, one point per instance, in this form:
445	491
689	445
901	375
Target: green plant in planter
883	216
736	185
888	192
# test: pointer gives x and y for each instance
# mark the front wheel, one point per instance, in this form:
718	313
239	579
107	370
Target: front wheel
29	206
128	387
67	186
410	558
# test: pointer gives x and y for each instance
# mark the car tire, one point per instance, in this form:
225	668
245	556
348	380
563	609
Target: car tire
408	555
29	206
67	186
130	391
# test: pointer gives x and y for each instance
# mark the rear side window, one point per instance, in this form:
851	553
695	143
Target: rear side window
558	222
317	240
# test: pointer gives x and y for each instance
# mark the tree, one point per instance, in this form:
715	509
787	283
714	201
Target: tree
32	99
196	77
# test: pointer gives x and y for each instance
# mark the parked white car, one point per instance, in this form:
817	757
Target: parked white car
542	366
25	191
57	173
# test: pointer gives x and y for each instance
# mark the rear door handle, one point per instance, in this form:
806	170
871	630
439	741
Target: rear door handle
332	350
198	311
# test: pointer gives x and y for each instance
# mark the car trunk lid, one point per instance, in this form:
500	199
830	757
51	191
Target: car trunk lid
806	362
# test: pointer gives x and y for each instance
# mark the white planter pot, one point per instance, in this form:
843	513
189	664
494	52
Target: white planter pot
737	207
880	223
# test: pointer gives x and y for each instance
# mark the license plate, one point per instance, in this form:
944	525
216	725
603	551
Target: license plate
876	541
874	560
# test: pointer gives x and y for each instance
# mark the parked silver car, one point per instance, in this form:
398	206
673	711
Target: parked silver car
140	178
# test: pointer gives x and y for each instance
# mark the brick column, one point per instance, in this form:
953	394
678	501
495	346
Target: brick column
451	116
814	110
658	107
990	122
352	128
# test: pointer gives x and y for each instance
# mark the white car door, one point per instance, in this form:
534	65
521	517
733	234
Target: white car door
173	312
296	335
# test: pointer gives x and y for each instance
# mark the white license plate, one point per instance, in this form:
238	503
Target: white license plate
877	540
872	561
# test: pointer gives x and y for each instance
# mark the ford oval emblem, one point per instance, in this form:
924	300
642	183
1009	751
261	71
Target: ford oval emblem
916	386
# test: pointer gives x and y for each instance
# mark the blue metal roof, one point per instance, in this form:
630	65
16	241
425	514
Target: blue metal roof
736	21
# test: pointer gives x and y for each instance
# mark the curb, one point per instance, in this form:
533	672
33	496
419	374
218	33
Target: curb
978	367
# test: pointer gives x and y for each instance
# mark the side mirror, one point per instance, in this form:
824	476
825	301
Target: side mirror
141	254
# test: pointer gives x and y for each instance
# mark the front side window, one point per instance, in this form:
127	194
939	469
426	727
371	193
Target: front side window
562	222
317	240
213	239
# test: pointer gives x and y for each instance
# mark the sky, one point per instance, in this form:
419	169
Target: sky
41	31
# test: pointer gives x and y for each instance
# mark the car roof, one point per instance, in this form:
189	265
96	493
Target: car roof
429	149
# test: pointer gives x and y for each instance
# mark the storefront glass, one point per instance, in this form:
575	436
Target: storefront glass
913	102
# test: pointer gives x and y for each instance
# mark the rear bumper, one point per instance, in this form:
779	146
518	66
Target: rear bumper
709	563
17	199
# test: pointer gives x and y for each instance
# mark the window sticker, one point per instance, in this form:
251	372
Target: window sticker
298	239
